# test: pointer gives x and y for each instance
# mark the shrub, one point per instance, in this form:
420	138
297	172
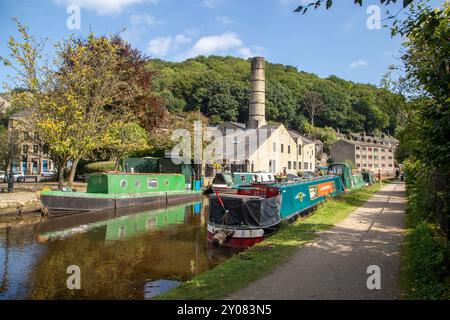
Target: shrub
101	166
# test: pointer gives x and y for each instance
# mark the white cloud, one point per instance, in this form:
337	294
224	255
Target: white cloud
212	4
159	46
254	51
291	2
358	64
144	19
182	39
224	20
213	44
103	7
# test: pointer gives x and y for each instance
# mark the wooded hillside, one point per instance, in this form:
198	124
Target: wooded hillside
219	88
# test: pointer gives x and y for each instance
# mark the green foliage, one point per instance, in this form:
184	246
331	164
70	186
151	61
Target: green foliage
4	148
427	262
219	88
101	166
426	258
328	3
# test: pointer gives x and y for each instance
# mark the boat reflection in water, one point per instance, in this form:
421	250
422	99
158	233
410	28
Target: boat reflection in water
120	254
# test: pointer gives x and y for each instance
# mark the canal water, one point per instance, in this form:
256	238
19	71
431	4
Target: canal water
132	256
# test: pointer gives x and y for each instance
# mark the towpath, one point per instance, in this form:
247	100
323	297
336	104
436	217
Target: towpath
335	265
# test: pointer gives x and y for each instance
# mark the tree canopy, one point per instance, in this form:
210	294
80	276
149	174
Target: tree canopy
219	88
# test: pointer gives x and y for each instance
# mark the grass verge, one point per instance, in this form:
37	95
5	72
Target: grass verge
262	258
425	262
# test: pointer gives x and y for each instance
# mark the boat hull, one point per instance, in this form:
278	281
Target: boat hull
241	238
75	204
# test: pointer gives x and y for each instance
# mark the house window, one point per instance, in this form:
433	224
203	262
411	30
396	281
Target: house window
35	149
305	165
364	148
358	156
357	148
35	136
299	150
15	134
152	183
310	166
383	158
289	165
370	165
369	149
25	149
364	156
295	165
383	150
358	165
370	157
282	148
364	165
289	149
26	135
375	157
375	149
376	165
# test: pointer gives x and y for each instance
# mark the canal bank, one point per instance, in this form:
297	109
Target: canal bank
257	262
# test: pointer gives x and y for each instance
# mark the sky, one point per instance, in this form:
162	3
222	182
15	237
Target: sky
325	42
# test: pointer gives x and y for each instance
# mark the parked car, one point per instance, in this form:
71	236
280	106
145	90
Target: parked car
48	174
4	176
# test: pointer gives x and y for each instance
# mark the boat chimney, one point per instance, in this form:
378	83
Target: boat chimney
257	111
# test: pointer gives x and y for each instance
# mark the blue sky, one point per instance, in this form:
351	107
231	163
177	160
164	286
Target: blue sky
324	42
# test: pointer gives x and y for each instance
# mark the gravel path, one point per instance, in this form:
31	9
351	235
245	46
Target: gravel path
335	265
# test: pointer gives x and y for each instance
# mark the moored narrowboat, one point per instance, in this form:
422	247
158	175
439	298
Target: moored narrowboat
368	177
246	218
350	180
116	190
230	182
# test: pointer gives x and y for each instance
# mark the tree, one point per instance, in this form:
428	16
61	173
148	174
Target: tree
328	3
4	148
123	139
312	103
74	100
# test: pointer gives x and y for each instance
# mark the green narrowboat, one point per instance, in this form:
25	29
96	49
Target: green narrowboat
118	190
351	181
368	178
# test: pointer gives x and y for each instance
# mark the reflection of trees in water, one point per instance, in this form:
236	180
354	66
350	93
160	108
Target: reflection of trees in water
119	269
5	264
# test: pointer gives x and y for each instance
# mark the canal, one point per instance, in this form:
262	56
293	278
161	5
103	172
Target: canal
131	256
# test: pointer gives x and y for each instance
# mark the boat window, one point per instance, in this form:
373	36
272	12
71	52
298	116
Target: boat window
243	179
137	184
166	183
123	183
152	183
